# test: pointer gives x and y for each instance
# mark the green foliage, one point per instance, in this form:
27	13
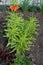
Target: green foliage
14	2
20	32
22	60
41	8
24	4
3	8
32	8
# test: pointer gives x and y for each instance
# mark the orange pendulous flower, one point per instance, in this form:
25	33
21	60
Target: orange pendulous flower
15	8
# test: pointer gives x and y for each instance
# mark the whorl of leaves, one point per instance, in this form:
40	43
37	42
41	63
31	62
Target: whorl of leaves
20	32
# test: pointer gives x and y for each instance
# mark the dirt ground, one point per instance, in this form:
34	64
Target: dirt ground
37	48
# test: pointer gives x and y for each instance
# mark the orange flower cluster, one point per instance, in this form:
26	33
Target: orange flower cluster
15	8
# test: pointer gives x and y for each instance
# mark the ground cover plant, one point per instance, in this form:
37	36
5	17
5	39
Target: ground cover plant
20	34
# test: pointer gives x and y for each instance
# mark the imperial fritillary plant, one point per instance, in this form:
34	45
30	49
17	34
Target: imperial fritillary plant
20	33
